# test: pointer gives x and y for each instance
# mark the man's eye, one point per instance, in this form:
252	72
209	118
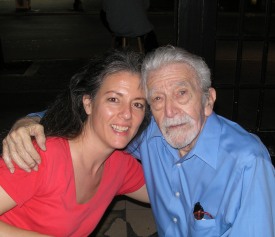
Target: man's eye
182	92
157	98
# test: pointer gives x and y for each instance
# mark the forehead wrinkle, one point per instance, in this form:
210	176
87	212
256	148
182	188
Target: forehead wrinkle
181	83
171	85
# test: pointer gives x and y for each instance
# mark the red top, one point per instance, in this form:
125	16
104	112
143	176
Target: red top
47	199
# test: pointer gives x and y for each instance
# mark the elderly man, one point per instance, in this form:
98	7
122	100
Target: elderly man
206	175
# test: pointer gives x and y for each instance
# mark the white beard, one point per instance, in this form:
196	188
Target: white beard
179	132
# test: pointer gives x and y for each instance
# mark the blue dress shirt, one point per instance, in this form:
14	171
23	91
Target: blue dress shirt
229	171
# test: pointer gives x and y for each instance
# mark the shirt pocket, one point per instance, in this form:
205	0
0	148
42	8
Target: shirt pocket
203	228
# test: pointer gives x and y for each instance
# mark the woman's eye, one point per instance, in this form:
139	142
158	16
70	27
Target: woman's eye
139	105
112	99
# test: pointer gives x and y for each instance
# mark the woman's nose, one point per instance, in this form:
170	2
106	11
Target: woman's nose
126	112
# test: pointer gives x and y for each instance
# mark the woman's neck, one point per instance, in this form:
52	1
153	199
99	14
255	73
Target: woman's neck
88	153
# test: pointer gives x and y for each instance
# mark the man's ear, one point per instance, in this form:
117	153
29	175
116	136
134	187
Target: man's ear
209	104
87	104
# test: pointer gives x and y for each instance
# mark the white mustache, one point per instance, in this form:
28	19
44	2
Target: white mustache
176	121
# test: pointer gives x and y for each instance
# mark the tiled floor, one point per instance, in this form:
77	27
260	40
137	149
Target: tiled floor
126	218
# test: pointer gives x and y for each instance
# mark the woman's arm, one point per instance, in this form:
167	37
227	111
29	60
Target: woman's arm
6	230
140	195
18	147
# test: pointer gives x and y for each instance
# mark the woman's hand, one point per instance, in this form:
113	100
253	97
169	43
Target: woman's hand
18	146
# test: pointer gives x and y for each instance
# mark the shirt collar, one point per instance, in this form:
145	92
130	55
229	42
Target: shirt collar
207	145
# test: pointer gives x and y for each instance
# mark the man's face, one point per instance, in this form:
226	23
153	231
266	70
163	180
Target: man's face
176	103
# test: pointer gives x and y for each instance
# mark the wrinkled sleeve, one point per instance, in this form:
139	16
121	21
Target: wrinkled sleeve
37	114
256	216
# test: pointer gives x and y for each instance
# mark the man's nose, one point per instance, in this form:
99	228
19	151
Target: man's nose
171	108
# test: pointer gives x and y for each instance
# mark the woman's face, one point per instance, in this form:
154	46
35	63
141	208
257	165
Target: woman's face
118	110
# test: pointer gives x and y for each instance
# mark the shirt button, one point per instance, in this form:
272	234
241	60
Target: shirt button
175	220
178	164
177	194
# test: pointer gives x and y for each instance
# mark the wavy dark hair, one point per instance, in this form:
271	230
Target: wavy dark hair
66	116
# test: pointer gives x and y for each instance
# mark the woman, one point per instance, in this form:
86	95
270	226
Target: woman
81	171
